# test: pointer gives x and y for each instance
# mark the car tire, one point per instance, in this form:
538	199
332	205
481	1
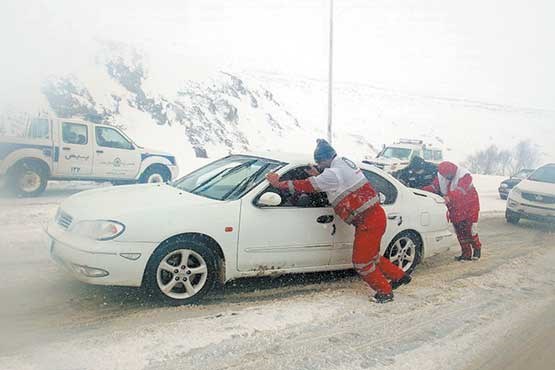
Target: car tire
406	248
181	285
155	174
28	179
512	217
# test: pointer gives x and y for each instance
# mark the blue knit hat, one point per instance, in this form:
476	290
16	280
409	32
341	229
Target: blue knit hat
324	151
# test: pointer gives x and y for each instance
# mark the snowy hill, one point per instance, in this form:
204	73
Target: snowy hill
208	113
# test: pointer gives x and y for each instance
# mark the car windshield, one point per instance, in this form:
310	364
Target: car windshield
522	174
228	178
544	174
399	153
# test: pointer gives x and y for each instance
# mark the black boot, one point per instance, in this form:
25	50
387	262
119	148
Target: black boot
383	298
463	258
402	281
477	253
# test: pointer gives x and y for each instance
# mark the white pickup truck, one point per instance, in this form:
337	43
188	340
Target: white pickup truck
74	149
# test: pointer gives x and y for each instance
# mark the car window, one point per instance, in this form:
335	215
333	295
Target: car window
229	178
302	200
74	133
383	186
110	138
39	128
544	174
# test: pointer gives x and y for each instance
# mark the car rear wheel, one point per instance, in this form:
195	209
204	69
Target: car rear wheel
405	251
28	179
181	271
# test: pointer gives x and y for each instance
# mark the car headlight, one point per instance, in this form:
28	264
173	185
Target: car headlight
99	229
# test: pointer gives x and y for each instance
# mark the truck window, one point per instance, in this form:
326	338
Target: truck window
428	155
438	155
74	133
39	128
110	138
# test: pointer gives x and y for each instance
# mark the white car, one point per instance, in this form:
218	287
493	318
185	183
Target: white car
534	197
223	222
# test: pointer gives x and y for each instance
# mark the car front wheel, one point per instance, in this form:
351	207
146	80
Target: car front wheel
512	217
181	271
405	251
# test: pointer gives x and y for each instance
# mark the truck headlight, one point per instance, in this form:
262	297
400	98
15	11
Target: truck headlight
99	229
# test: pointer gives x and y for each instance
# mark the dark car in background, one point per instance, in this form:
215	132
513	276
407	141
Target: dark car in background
506	186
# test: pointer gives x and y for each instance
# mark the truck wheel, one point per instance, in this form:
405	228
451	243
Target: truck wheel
181	271
155	174
28	179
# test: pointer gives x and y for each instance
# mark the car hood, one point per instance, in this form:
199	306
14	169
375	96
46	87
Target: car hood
113	203
537	187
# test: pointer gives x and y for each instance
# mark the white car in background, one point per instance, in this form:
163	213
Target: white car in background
534	197
223	222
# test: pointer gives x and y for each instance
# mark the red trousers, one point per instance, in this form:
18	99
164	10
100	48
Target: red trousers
370	265
468	237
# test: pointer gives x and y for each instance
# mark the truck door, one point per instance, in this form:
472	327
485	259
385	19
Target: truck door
115	157
75	157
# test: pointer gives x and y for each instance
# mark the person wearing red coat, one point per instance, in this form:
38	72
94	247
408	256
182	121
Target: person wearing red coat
355	201
455	185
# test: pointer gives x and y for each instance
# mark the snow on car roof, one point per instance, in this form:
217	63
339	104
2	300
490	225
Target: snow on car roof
291	158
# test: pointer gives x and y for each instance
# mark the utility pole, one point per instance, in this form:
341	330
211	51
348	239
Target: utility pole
330	75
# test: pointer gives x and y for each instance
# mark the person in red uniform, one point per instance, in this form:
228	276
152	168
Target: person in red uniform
357	203
455	185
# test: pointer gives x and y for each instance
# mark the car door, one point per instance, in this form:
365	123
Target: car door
295	234
345	234
115	156
76	156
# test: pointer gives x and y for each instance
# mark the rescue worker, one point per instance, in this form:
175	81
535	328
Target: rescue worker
417	174
357	203
455	185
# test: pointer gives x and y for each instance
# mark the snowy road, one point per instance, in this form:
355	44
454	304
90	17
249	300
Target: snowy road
452	316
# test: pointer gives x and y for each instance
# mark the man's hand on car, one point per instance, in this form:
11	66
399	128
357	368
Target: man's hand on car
273	179
312	170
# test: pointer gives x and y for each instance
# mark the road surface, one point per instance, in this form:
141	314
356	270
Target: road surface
453	316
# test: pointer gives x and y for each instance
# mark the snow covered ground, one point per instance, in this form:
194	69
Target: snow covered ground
453	315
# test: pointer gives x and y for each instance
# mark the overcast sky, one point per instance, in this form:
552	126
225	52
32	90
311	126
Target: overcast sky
492	50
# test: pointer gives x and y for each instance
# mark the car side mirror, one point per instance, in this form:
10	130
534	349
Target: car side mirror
382	197
269	199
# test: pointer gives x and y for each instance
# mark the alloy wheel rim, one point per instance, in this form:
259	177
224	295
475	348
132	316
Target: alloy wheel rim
403	253
181	274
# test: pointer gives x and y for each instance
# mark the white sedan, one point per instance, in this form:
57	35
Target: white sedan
224	221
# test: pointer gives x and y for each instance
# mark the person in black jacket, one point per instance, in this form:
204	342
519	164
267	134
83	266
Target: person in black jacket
417	174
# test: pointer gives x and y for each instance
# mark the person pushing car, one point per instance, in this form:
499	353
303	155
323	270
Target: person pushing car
357	203
455	185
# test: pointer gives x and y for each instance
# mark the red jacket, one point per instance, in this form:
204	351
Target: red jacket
464	203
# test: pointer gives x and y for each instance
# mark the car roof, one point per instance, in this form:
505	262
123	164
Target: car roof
291	158
299	159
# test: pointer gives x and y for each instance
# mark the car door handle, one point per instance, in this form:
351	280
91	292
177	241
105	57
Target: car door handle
66	148
396	216
100	151
325	219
